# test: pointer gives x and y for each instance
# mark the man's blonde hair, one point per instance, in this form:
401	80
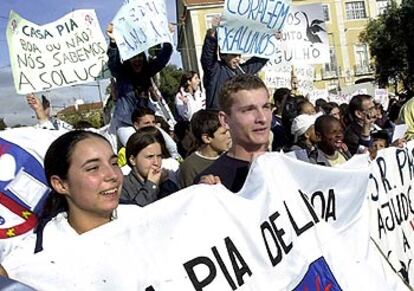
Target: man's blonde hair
236	84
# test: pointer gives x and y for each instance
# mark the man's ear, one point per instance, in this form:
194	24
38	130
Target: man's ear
205	138
223	118
318	136
359	114
59	185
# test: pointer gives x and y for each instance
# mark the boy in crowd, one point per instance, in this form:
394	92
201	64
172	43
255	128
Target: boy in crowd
211	139
303	130
247	113
330	150
144	117
380	140
217	71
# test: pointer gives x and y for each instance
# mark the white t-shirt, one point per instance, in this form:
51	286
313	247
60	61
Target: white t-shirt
57	233
188	104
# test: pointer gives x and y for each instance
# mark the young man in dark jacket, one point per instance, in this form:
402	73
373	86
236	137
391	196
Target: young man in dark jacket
363	114
216	71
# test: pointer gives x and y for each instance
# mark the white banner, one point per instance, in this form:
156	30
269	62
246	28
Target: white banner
23	186
69	51
392	207
140	25
267	237
250	27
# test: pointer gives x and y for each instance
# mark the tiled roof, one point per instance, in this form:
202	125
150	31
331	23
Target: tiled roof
82	108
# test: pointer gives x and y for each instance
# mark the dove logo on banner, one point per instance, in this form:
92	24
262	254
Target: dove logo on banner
23	189
318	277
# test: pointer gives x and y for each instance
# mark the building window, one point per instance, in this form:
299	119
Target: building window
325	12
330	69
209	18
382	5
355	10
362	59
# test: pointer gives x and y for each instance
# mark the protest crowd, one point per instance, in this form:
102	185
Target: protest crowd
149	153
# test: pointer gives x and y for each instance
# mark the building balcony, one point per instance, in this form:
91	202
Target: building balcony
364	70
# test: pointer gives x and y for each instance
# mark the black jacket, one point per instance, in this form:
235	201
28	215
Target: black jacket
131	85
217	72
353	138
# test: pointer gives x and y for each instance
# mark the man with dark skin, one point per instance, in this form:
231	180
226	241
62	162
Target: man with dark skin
330	149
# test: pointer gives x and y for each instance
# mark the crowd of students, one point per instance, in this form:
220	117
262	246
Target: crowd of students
214	141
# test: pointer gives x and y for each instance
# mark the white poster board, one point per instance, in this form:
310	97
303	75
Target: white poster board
304	40
69	51
140	25
249	27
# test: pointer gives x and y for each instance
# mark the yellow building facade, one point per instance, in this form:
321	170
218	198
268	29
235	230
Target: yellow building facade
345	19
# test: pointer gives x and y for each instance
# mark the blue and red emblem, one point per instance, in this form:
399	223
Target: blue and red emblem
23	190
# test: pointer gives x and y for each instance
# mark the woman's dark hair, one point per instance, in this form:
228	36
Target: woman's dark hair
57	163
141	139
346	120
279	99
290	111
319	103
185	77
329	106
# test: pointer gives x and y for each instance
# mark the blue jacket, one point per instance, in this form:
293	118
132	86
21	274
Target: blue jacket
132	88
217	72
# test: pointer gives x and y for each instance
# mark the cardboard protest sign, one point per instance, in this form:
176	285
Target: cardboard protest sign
382	96
140	25
304	37
249	29
69	51
280	76
250	26
266	237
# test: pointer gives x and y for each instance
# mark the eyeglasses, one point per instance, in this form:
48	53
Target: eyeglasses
371	109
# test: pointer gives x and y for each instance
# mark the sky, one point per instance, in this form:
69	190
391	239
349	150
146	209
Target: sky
13	107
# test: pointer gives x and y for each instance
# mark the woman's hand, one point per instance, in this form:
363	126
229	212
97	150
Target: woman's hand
154	174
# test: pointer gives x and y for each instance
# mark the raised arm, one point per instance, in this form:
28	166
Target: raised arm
161	59
254	65
209	58
35	103
114	58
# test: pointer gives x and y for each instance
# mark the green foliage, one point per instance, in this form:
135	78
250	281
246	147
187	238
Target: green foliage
93	117
169	83
391	41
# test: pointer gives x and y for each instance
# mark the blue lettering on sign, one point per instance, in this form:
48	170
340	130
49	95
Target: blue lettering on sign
244	40
271	13
318	277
